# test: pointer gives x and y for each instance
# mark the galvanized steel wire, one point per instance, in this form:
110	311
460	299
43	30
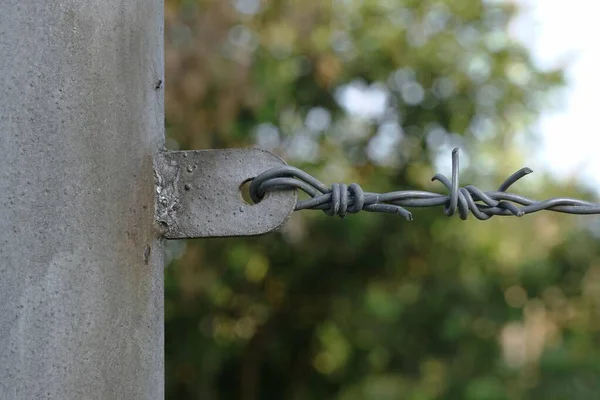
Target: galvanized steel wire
341	199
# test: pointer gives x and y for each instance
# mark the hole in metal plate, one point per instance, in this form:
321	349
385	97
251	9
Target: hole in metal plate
245	192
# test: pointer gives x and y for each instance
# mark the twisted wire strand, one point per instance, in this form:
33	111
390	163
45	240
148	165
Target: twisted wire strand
341	199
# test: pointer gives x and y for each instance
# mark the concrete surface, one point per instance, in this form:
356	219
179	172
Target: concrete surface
81	264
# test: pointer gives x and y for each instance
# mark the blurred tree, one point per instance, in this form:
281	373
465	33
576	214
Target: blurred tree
373	307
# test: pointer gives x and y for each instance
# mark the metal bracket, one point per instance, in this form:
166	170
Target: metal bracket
198	194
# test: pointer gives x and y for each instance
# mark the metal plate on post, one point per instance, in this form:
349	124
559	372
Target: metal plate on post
198	194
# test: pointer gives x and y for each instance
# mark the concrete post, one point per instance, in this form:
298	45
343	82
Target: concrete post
81	263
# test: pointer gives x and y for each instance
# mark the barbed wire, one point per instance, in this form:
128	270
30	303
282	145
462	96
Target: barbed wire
343	199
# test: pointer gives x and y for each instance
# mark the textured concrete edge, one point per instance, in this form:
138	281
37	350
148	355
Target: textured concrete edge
166	200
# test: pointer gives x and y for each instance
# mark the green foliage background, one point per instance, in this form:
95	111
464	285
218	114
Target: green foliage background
374	307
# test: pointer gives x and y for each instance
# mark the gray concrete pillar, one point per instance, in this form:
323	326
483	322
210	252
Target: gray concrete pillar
81	263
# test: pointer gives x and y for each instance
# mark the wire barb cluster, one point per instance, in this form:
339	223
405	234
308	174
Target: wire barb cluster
343	199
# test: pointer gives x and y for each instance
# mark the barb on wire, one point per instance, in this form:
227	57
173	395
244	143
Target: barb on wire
343	199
